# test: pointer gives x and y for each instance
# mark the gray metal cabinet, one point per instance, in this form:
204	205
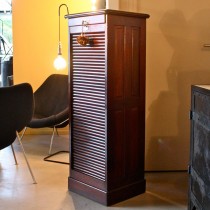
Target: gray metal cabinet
199	168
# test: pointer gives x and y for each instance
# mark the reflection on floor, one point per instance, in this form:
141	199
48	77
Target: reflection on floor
164	190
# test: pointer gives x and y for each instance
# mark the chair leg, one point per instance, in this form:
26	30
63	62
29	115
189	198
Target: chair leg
51	142
19	139
57	131
24	130
13	151
50	155
55	161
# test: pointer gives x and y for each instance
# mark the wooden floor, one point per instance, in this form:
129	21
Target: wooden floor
164	190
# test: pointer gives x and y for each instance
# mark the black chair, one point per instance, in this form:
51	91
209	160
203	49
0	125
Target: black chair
16	110
51	107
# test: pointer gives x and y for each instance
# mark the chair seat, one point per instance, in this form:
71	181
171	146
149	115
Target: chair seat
57	120
40	121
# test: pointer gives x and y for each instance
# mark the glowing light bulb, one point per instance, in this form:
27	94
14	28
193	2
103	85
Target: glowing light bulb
60	63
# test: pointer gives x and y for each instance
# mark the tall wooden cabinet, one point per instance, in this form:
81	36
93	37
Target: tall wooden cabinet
107	105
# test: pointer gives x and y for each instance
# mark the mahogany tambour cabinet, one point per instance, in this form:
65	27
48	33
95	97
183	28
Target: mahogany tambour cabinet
199	168
107	105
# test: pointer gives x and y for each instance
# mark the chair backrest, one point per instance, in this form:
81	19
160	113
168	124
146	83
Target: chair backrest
52	96
16	111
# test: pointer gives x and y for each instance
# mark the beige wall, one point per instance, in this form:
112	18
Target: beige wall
129	5
176	32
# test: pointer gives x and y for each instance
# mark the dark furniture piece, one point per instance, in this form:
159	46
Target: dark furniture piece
16	110
199	167
107	105
51	107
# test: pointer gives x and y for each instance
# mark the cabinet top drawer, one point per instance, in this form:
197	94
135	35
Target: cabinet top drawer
99	16
89	20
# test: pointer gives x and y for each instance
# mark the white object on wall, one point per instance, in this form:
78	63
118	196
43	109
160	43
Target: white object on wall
112	4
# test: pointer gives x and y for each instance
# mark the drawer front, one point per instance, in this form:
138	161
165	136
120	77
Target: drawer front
89	20
88	29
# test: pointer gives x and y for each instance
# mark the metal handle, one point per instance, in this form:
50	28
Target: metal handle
85	25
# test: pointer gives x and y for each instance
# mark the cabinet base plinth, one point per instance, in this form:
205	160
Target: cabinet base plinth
107	198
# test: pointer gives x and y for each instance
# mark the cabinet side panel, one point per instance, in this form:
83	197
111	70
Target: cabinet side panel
116	156
135	144
115	109
134	118
126	63
117	71
135	73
